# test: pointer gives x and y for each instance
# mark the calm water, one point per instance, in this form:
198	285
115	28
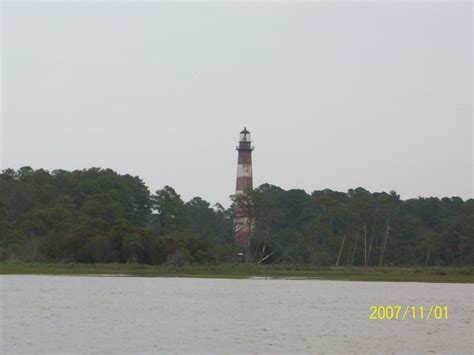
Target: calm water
62	314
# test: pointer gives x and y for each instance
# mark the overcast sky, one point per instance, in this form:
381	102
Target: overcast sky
336	96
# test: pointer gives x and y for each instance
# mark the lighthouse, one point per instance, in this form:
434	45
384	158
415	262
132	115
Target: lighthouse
244	219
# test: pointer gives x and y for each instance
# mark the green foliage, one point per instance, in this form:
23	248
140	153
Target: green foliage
366	229
170	211
98	216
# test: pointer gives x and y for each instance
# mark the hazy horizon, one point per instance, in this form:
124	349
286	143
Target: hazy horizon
336	95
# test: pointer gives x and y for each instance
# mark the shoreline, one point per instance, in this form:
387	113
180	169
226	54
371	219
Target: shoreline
242	271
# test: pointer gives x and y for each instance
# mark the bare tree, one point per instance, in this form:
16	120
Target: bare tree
354	250
365	244
384	242
372	235
245	217
340	251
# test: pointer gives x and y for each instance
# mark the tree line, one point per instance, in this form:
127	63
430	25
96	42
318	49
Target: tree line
98	216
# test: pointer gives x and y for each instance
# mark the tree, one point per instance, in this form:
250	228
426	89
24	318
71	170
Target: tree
170	210
244	217
98	215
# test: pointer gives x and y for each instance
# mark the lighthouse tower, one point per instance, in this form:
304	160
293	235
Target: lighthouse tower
244	219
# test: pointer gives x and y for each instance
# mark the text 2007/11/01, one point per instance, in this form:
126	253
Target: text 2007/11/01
408	312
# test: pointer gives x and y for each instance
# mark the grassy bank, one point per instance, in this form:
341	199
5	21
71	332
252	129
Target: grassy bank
238	271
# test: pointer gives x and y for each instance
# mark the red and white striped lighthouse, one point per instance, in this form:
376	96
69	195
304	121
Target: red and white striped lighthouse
244	219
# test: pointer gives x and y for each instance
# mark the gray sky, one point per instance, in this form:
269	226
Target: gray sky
336	95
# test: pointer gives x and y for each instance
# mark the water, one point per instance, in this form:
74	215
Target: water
75	314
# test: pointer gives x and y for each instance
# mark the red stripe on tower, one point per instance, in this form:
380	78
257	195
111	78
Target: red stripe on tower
243	222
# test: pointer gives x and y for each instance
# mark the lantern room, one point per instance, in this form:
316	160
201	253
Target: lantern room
245	135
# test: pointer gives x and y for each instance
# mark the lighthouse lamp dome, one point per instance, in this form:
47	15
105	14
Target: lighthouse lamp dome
245	135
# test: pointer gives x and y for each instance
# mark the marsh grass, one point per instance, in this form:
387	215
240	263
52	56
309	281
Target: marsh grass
240	271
